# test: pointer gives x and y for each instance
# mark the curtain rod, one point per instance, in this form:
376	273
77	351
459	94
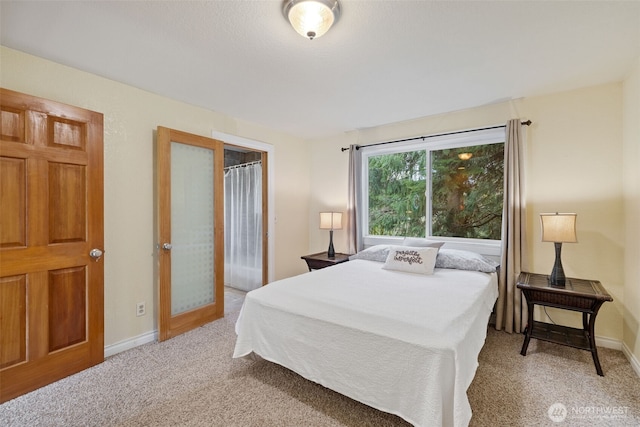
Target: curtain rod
243	165
527	123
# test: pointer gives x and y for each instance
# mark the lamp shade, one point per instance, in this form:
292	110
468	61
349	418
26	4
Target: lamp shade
559	227
311	18
331	220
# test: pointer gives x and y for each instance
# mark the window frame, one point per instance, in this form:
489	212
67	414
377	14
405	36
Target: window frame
464	139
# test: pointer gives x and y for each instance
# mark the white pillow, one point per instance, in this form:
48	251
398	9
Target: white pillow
411	259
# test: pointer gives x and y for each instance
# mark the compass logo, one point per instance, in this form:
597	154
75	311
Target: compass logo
557	412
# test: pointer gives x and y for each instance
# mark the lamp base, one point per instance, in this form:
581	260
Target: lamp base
557	277
331	253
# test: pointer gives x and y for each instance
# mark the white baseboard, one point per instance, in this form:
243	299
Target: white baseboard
635	363
621	346
130	343
608	343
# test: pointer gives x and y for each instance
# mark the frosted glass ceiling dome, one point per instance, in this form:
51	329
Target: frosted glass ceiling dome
311	18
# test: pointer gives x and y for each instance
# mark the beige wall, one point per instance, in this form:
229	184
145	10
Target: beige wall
576	146
131	117
574	166
574	151
631	193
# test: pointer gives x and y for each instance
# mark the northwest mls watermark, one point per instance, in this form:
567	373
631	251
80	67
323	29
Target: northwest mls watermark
559	412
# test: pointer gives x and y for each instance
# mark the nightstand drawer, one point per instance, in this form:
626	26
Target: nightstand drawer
554	299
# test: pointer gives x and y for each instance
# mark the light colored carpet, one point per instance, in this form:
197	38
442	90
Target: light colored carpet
512	390
191	380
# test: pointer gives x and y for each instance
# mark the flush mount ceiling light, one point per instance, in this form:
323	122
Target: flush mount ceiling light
311	18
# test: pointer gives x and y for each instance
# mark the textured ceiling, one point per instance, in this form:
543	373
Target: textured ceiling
383	62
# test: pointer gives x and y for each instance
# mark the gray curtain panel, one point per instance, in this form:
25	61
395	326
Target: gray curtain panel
354	232
511	308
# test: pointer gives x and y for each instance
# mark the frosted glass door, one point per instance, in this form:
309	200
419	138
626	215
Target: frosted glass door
190	189
192	227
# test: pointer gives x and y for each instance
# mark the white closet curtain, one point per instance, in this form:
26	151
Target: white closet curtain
243	227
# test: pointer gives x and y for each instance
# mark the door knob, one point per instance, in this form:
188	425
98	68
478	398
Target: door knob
166	246
95	254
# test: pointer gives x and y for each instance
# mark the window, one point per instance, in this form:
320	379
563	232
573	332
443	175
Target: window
448	186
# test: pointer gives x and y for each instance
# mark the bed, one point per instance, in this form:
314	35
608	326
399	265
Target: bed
403	342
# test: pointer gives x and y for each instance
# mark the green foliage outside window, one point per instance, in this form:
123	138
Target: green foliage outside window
466	196
397	201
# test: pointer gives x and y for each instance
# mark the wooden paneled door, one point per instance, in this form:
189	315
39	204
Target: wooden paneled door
190	187
51	242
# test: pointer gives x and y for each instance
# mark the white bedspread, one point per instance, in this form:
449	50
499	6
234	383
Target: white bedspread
400	342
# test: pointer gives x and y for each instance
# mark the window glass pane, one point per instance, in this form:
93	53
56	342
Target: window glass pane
397	202
467	191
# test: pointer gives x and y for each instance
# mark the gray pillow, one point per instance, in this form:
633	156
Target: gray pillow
376	253
464	260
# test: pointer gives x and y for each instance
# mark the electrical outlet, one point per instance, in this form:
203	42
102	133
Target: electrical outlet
140	309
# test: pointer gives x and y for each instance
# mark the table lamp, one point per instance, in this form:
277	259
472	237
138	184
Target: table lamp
331	221
558	228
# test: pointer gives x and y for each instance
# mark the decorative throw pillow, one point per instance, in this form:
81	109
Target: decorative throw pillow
411	259
421	242
377	253
465	260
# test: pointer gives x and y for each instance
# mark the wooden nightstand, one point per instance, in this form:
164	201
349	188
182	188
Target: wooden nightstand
321	260
585	296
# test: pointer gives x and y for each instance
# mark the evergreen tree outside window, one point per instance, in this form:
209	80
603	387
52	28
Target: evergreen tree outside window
447	187
397	194
467	192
